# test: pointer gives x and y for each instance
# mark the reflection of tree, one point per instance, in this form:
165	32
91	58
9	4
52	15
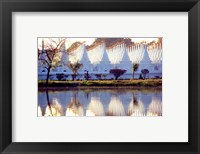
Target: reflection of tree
155	108
115	107
95	108
136	108
87	92
75	108
54	108
48	102
117	91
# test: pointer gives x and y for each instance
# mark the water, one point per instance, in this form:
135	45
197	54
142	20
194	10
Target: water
100	102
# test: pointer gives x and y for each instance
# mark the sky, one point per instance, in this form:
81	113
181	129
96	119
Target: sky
89	41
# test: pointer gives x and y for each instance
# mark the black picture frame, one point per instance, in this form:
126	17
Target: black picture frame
9	6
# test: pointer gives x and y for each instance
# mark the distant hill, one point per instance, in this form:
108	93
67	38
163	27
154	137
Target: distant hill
109	42
74	46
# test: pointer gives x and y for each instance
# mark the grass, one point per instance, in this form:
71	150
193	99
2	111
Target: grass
103	83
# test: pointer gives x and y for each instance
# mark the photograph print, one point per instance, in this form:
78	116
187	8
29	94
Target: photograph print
102	76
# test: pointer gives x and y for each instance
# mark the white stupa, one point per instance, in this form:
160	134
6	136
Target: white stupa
125	62
41	62
155	54
64	61
104	64
41	65
145	62
41	59
84	59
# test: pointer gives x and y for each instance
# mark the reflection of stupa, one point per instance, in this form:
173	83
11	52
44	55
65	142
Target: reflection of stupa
74	108
39	111
136	108
54	109
155	108
95	108
115	108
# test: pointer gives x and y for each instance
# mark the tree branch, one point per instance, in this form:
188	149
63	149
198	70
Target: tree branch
44	61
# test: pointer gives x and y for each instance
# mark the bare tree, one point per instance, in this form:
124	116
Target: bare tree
50	55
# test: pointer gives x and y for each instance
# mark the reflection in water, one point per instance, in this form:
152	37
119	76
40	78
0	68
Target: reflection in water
95	107
106	102
155	108
54	108
74	108
39	111
136	108
115	107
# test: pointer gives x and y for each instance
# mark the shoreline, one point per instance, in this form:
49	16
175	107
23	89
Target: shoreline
102	84
97	88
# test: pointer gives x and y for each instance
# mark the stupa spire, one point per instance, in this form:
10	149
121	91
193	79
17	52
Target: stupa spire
105	62
145	58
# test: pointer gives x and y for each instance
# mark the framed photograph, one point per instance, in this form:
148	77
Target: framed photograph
99	76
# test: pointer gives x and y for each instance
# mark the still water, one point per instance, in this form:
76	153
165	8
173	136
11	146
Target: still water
100	102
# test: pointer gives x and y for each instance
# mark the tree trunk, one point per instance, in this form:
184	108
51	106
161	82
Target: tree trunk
73	77
133	75
47	79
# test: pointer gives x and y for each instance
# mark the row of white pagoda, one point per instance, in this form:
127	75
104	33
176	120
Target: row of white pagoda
99	60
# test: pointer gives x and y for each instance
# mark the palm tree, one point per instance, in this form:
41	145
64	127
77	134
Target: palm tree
135	68
74	67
